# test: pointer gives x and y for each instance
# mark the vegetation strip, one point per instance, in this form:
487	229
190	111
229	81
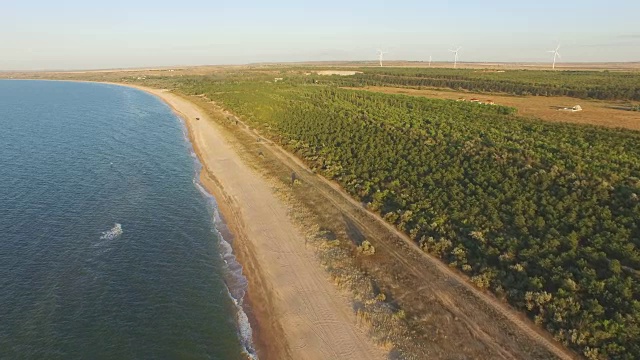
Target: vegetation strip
544	215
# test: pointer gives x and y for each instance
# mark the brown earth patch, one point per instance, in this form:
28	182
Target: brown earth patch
595	112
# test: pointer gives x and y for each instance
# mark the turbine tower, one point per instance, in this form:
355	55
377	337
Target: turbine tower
556	54
455	57
429	60
380	55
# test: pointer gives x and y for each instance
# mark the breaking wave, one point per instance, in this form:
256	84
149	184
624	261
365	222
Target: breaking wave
235	281
115	231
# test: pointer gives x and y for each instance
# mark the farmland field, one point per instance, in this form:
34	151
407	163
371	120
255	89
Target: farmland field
595	112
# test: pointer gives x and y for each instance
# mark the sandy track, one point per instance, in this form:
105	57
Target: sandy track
315	318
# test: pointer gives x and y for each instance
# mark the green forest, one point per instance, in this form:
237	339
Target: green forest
544	215
601	85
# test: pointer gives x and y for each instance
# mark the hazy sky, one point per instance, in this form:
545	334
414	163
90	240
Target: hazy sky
81	34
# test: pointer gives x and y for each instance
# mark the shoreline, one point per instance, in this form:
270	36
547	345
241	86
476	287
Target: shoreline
267	338
264	338
478	320
294	310
246	331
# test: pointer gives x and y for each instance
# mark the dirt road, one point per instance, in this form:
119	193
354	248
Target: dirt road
485	323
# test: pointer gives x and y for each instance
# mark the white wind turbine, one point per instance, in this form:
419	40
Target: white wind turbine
455	57
556	54
429	60
380	55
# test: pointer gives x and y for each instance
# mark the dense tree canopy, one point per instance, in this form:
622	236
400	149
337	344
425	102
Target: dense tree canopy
545	215
580	84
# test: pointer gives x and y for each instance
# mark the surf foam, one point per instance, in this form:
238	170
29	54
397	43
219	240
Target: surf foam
235	281
115	231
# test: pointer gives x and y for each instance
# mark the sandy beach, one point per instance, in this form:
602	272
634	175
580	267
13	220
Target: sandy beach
297	312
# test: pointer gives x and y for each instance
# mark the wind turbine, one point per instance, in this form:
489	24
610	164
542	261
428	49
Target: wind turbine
455	57
555	54
380	55
429	60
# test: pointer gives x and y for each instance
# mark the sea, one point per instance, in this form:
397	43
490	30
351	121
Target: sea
109	246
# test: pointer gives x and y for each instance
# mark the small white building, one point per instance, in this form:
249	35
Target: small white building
572	109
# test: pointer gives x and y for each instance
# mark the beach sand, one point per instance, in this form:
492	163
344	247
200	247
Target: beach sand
298	313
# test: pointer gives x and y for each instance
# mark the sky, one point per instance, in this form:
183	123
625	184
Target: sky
75	34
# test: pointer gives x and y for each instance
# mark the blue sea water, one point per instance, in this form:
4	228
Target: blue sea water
108	247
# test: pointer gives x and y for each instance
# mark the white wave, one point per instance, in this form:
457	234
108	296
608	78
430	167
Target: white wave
235	281
246	333
115	231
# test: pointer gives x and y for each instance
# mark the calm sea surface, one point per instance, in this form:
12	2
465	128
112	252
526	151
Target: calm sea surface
108	247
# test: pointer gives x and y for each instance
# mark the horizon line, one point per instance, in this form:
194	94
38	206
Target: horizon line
314	62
